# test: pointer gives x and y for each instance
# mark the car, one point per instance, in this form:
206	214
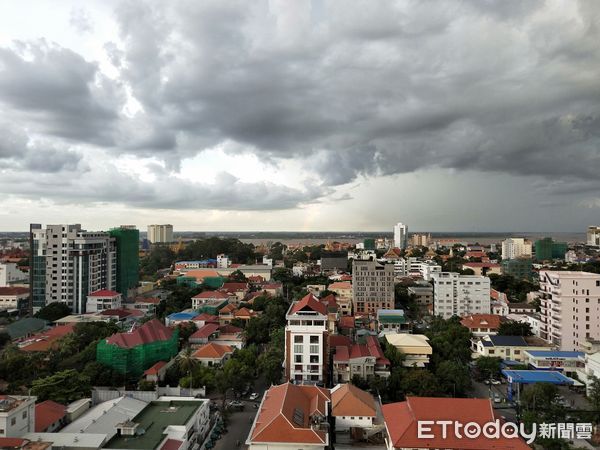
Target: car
486	382
497	398
235	405
496	382
253	396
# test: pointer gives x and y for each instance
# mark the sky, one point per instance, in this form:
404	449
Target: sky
461	115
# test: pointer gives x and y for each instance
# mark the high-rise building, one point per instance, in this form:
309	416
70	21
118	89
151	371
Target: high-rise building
306	342
372	287
515	248
400	235
521	268
548	248
460	295
10	275
127	238
420	240
593	236
570	308
68	263
160	234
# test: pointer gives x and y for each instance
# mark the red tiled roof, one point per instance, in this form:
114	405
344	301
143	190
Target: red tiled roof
212	351
481	264
341	354
229	308
339	285
336	340
104	293
120	313
152	300
346	322
205	317
211	294
330	302
172	444
206	331
244	312
278	419
16	443
230	329
401	419
309	301
44	340
151	331
346	278
47	413
200	274
13	290
348	400
375	350
155	368
233	287
272	286
482	321
476	254
359	351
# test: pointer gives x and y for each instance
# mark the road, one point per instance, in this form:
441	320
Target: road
239	426
480	390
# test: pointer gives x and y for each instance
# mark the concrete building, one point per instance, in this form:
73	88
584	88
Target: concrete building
482	268
393	321
423	295
427	269
482	324
520	268
363	360
508	347
567	362
400	235
420	240
516	248
460	295
415	347
11	275
372	287
547	249
160	234
102	300
306	342
593	236
14	298
343	292
17	415
67	263
570	308
355	409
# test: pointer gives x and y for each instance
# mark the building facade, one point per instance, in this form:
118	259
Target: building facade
68	263
547	249
460	295
520	268
10	275
593	236
570	308
515	248
127	239
372	287
400	235
160	234
306	342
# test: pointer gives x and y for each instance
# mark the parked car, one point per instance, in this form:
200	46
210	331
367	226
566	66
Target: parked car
497	398
235	405
253	396
496	382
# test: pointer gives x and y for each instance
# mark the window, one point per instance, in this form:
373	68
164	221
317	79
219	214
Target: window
298	339
314	339
314	349
13	421
298	359
24	414
298	348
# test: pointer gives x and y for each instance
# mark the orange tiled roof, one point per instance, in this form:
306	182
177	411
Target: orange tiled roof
285	415
482	321
348	400
211	294
401	419
339	285
212	351
47	413
44	341
155	368
309	301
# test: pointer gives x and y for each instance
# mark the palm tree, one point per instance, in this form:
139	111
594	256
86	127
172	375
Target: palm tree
187	363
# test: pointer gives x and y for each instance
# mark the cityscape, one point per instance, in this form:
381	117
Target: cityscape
299	225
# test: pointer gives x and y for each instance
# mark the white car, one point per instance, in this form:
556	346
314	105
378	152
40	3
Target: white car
253	396
497	399
495	382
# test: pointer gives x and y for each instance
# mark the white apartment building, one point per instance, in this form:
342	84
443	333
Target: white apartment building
460	295
515	248
68	263
428	268
223	261
570	308
400	235
17	415
593	236
160	234
14	297
102	300
306	342
372	287
10	275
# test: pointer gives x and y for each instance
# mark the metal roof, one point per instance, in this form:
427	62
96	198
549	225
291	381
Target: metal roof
553	354
536	376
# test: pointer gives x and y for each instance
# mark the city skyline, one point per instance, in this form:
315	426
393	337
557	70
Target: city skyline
300	117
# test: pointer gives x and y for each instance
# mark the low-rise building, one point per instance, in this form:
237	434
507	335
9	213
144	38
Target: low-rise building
508	347
402	421
392	321
354	409
482	268
362	360
12	275
482	324
212	354
343	292
567	362
209	301
423	295
415	348
157	372
49	416
291	417
428	268
103	299
17	415
14	298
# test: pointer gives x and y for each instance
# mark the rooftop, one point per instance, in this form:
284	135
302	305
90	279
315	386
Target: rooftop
153	419
348	400
13	290
104	293
308	303
47	413
151	331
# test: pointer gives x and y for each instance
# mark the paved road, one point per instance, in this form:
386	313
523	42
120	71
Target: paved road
238	428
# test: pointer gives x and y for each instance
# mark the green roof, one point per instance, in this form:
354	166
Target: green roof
392	319
153	420
24	327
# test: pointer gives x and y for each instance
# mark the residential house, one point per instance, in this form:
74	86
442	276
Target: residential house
49	416
213	354
291	417
235	291
363	360
209	301
103	299
343	292
353	408
507	347
14	298
482	324
415	348
157	372
17	415
392	321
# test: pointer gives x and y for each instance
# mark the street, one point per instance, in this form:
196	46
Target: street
238	428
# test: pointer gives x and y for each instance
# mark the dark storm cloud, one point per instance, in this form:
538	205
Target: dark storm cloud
379	88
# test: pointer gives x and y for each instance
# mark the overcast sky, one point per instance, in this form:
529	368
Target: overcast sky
301	115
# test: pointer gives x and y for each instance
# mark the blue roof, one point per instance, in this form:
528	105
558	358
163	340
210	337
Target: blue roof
536	376
554	354
508	341
392	312
182	316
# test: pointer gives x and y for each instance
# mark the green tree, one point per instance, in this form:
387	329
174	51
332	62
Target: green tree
238	277
186	361
542	399
488	366
420	382
514	328
145	385
62	387
453	378
594	396
53	311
